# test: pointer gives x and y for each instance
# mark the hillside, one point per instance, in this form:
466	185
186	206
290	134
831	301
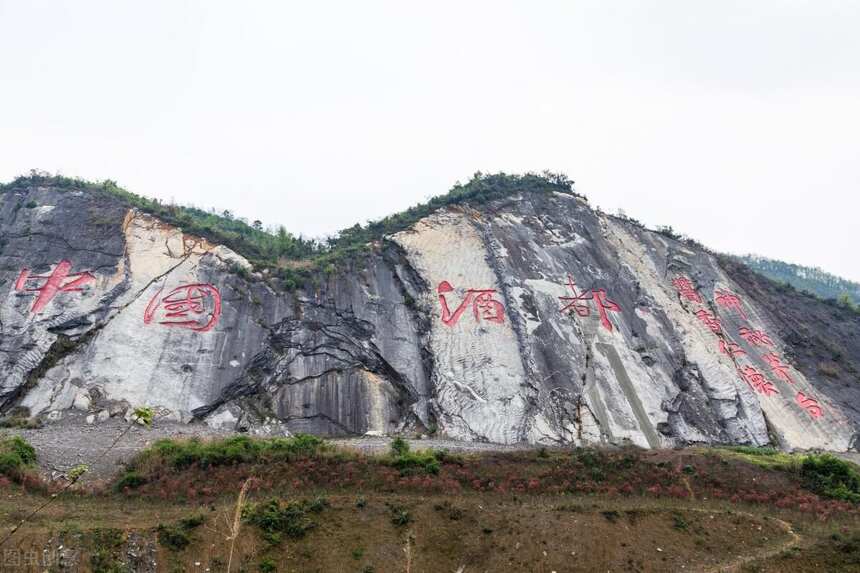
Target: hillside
809	279
507	311
301	504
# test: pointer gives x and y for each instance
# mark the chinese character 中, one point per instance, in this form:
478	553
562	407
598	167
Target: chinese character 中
60	280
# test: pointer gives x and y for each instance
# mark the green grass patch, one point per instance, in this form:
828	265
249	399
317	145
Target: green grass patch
16	457
767	458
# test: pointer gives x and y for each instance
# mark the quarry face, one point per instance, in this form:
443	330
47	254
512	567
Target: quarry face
531	319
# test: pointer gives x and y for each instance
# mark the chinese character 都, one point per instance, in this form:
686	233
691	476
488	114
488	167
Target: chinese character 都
196	307
484	306
60	280
576	303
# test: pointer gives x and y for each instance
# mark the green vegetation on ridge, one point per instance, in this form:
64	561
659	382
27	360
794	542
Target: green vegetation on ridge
807	279
296	260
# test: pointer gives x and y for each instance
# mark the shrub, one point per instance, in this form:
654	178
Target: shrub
831	477
400	516
173	537
409	462
276	518
16	457
181	454
176	537
399	447
129	480
267	565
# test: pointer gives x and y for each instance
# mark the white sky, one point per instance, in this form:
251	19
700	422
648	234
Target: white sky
736	122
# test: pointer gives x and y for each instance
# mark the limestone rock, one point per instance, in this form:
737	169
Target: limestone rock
532	318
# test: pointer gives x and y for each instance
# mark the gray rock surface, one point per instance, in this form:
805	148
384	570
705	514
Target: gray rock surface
531	319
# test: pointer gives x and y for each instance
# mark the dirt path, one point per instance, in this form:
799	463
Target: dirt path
737	563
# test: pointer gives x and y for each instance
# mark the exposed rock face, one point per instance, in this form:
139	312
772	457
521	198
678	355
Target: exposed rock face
527	319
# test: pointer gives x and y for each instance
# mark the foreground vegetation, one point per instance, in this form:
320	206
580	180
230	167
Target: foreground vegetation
306	505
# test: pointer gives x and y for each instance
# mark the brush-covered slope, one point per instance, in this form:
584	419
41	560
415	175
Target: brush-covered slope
508	311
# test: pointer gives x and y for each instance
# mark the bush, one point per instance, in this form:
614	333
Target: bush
409	462
176	537
276	518
268	565
400	516
173	537
180	454
831	477
129	480
16	457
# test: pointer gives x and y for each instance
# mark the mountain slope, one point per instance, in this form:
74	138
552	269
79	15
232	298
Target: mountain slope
813	280
508	311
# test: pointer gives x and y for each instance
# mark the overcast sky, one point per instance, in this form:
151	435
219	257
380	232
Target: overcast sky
735	122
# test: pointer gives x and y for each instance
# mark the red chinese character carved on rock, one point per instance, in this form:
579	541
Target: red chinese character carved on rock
809	404
60	280
484	306
196	307
730	300
755	337
711	321
731	349
779	369
576	303
757	381
686	289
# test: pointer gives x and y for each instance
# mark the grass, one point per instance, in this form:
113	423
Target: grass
767	458
317	508
823	474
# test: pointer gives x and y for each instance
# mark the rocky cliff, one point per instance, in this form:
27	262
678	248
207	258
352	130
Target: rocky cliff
529	317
